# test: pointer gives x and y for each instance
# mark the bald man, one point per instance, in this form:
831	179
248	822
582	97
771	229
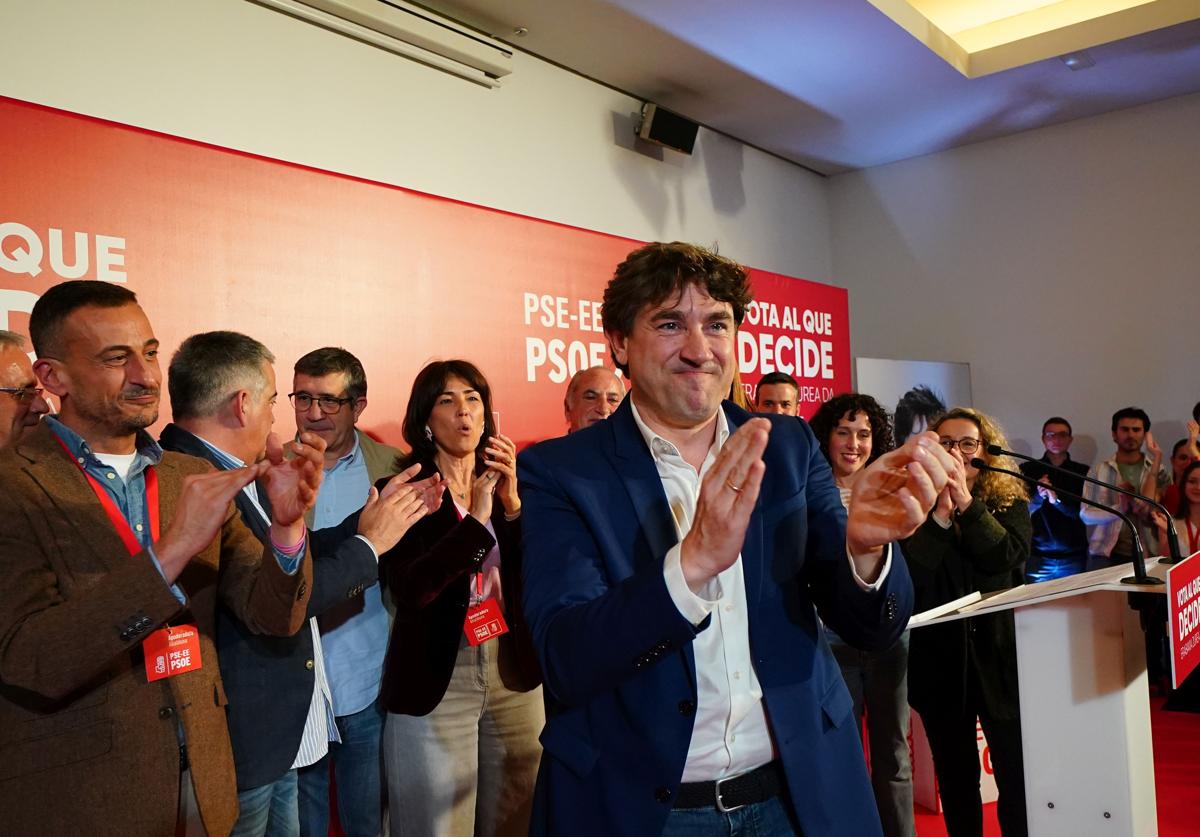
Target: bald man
592	395
21	403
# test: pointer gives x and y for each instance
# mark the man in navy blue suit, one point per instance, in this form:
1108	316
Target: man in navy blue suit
676	558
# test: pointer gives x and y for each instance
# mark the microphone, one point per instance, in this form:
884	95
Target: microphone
1172	536
1139	576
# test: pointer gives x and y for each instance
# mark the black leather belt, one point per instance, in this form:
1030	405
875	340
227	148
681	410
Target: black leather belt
758	785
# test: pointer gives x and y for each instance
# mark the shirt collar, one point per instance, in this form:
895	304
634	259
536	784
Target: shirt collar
350	456
144	445
660	447
224	457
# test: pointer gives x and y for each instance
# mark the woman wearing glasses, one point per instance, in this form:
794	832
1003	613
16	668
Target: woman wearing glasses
976	538
462	695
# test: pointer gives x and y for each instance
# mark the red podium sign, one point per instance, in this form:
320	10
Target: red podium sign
1183	622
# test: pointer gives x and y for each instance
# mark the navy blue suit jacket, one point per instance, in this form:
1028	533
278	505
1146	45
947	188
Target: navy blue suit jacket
617	655
269	679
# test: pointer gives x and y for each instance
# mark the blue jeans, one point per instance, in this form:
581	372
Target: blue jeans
762	819
357	763
270	810
878	684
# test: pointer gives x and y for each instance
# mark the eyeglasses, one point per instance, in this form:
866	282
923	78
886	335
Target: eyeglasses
1056	434
967	446
24	395
329	405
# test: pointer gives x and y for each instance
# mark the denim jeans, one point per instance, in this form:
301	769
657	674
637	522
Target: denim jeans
878	684
270	810
771	818
357	763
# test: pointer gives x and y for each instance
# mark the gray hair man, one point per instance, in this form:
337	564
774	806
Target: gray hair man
592	395
223	394
21	403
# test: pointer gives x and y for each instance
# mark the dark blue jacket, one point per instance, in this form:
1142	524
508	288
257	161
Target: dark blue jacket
617	655
269	680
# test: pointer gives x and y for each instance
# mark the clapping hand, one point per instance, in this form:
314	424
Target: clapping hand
727	498
897	491
501	457
292	484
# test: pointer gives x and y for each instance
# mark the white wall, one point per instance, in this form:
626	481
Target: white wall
1063	264
547	144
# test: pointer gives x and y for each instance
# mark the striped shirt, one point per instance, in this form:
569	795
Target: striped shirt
319	726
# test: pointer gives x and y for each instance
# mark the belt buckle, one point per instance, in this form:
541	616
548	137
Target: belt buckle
720	803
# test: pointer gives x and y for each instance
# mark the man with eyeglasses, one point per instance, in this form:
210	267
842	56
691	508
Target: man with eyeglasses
1059	537
329	394
21	403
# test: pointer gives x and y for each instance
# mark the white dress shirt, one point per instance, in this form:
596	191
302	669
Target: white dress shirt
731	734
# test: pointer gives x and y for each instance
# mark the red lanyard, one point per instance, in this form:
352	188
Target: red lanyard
1191	536
114	514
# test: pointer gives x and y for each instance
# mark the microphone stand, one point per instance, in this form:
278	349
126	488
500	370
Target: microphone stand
1139	577
1172	536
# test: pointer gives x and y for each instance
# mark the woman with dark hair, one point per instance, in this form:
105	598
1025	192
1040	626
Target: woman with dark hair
1183	454
853	431
1187	511
461	682
976	538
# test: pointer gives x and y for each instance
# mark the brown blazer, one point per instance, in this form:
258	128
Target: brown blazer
87	745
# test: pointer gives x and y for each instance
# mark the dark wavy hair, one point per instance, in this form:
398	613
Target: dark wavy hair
847	406
1185	507
919	402
656	272
428	385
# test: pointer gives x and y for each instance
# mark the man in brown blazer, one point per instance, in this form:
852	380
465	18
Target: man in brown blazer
105	541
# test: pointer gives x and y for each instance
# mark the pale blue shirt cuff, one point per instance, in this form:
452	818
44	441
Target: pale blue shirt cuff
692	607
289	563
883	573
367	541
176	591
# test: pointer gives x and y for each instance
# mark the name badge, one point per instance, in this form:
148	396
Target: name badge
484	621
170	651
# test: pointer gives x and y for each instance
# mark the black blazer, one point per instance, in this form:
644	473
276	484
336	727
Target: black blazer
269	680
429	575
984	550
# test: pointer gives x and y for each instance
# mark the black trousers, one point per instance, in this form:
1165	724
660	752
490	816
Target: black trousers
956	763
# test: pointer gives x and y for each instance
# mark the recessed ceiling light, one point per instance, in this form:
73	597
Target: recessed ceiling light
1078	60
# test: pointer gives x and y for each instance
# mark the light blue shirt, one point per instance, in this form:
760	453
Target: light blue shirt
355	647
130	493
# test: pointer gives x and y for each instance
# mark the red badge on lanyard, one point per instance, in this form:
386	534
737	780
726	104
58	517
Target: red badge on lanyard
168	651
484	620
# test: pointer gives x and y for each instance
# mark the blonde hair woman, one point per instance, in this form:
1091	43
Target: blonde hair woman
976	538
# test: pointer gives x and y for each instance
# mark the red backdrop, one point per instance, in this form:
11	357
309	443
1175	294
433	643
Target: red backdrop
299	258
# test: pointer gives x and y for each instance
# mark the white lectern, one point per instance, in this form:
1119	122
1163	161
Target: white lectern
1085	708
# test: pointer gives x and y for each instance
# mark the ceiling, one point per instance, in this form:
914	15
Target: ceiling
834	85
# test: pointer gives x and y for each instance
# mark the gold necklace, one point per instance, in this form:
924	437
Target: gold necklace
461	495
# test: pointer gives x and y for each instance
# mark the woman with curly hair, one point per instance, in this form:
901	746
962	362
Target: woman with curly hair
976	538
853	431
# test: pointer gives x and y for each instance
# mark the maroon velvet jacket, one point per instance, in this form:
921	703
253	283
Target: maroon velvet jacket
429	576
